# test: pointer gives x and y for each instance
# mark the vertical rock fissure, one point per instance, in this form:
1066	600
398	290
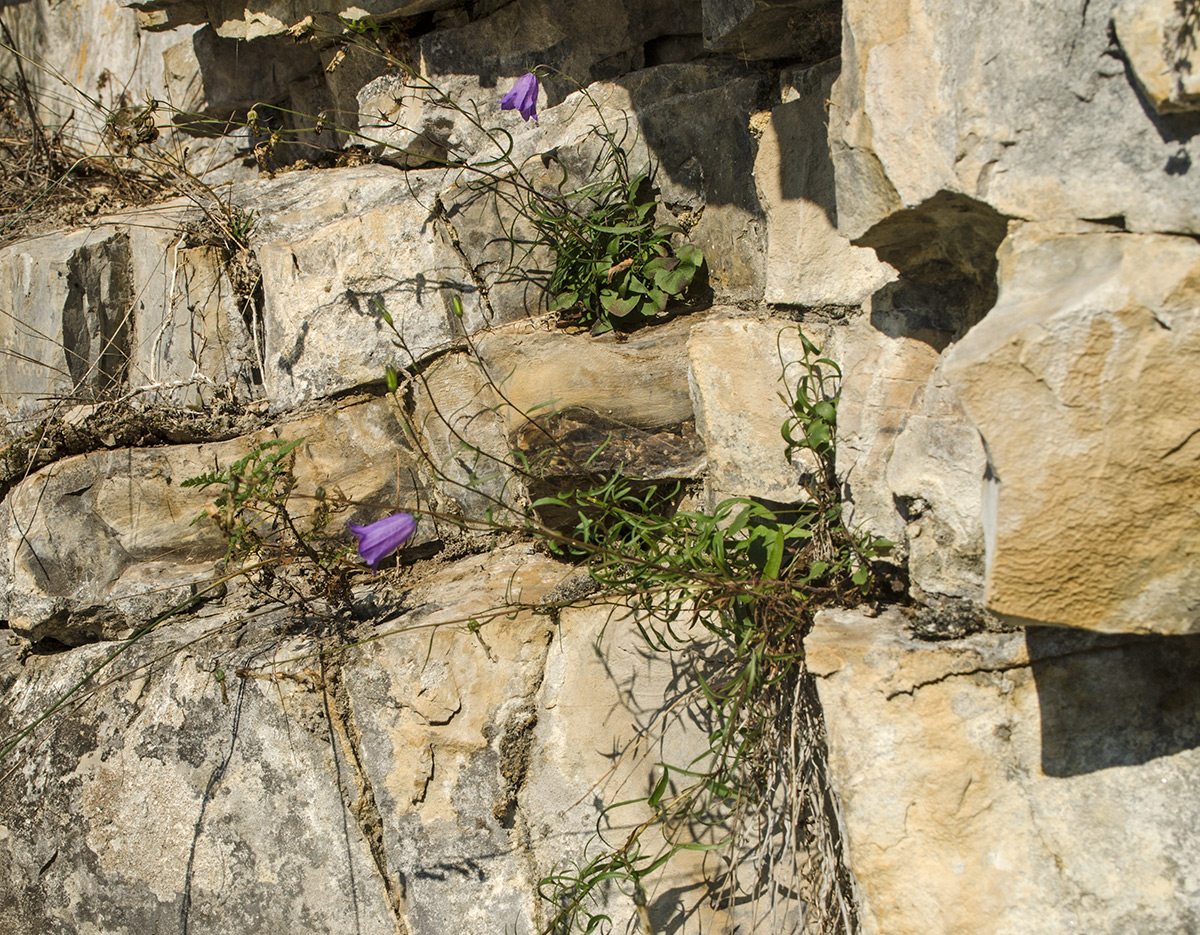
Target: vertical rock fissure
833	904
442	218
359	796
516	748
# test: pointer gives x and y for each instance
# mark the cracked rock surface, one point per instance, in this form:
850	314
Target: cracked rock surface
1032	782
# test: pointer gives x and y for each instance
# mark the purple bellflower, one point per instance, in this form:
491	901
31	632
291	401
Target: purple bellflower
378	540
523	96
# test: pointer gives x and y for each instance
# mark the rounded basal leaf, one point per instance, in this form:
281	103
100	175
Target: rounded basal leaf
564	300
658	299
690	255
619	307
659	264
824	410
674	282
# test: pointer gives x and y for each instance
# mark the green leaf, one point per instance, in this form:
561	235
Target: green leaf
564	300
825	410
775	558
618	228
618	306
690	255
676	281
659	788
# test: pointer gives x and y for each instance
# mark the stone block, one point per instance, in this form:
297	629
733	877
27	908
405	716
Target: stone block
641	381
1032	783
255	19
126	309
935	474
66	334
1082	385
422	780
808	261
593	42
886	364
1159	39
738	370
335	248
1032	115
82	55
81	534
211	80
192	341
763	29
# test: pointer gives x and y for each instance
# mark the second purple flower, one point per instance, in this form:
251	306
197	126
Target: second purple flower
523	96
378	540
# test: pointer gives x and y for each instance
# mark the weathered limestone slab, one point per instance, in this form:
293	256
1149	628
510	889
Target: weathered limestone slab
1159	40
1031	114
1082	383
160	806
88	537
641	380
128	307
737	370
191	337
568	404
1013	784
334	248
66	333
585	741
886	363
215	79
590	42
461	424
80	53
421	780
252	19
935	474
760	29
808	261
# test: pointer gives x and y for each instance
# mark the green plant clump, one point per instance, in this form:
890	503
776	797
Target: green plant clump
736	589
613	265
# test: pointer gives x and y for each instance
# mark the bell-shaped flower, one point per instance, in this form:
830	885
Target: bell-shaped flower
378	540
523	96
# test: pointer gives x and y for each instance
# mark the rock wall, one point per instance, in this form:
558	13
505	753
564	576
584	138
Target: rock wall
986	216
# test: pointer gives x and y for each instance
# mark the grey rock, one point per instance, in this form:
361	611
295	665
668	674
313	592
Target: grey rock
762	29
809	263
406	771
1088	512
337	248
1012	782
936	475
84	62
235	19
131	308
740	371
1158	38
588	43
100	544
1036	116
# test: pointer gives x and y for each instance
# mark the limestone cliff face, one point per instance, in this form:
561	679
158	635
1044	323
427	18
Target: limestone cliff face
987	216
